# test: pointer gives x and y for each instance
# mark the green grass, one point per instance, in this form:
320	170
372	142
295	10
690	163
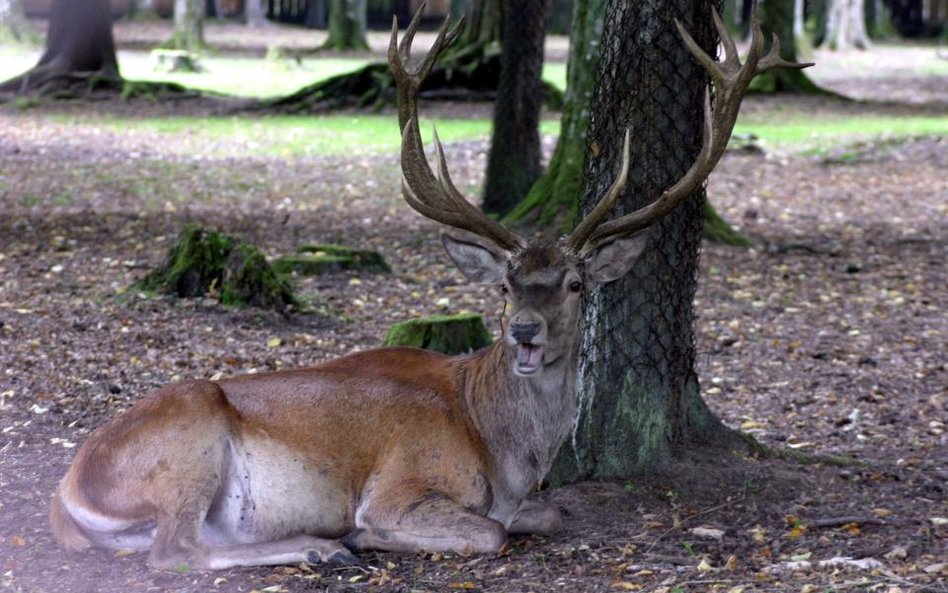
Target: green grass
237	76
800	134
342	134
290	135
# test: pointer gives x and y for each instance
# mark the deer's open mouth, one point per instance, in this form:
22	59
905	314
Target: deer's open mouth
529	359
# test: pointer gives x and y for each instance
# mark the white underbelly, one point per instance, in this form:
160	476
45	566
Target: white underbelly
270	492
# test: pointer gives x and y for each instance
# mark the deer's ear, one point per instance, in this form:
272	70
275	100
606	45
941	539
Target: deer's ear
614	259
479	263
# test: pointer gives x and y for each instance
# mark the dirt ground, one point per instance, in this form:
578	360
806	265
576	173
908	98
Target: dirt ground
826	339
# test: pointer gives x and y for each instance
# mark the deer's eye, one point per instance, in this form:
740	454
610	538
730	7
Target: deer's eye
575	286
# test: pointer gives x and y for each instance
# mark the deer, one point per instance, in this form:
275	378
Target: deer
391	449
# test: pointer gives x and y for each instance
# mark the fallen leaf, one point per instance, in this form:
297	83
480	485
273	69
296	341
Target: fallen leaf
462	585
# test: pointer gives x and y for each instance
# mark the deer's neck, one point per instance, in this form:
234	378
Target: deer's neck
523	420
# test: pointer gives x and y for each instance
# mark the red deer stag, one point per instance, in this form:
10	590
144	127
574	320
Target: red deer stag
392	449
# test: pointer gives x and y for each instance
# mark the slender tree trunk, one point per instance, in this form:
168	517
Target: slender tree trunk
846	25
79	47
188	26
639	390
513	164
255	14
554	198
15	28
347	25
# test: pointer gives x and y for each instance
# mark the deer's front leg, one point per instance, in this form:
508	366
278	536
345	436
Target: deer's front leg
535	517
432	523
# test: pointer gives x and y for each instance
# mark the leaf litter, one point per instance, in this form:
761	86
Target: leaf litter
826	339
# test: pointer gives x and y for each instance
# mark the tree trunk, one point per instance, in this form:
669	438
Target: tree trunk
553	201
15	28
639	390
846	25
188	26
347	25
255	15
554	198
777	17
140	9
79	48
513	164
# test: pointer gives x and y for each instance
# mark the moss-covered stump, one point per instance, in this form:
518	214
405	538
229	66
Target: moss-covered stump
209	263
449	334
314	260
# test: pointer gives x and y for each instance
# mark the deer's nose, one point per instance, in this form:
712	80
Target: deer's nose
523	333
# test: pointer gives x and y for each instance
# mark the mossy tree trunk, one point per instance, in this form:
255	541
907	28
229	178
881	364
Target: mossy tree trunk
188	31
777	17
513	163
15	28
79	51
347	25
554	198
640	395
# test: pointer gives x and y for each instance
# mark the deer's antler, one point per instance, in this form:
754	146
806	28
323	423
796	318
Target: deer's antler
433	196
730	79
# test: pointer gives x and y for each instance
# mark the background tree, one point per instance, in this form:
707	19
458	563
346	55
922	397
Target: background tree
513	163
140	9
777	17
79	50
554	198
15	28
188	26
255	15
347	25
846	25
640	392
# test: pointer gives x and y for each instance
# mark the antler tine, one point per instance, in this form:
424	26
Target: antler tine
581	233
730	48
730	79
435	197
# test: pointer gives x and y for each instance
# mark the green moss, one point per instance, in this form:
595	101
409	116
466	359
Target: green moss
449	334
209	263
718	230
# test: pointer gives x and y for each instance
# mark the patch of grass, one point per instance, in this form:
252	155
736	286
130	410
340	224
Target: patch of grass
800	134
288	135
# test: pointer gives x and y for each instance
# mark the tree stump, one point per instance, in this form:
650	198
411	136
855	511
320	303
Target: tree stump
315	260
448	334
209	263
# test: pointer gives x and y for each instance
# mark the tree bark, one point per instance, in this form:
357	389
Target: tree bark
846	25
639	391
513	164
188	26
347	25
15	28
79	48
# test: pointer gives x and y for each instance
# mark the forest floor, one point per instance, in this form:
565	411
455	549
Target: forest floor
826	341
